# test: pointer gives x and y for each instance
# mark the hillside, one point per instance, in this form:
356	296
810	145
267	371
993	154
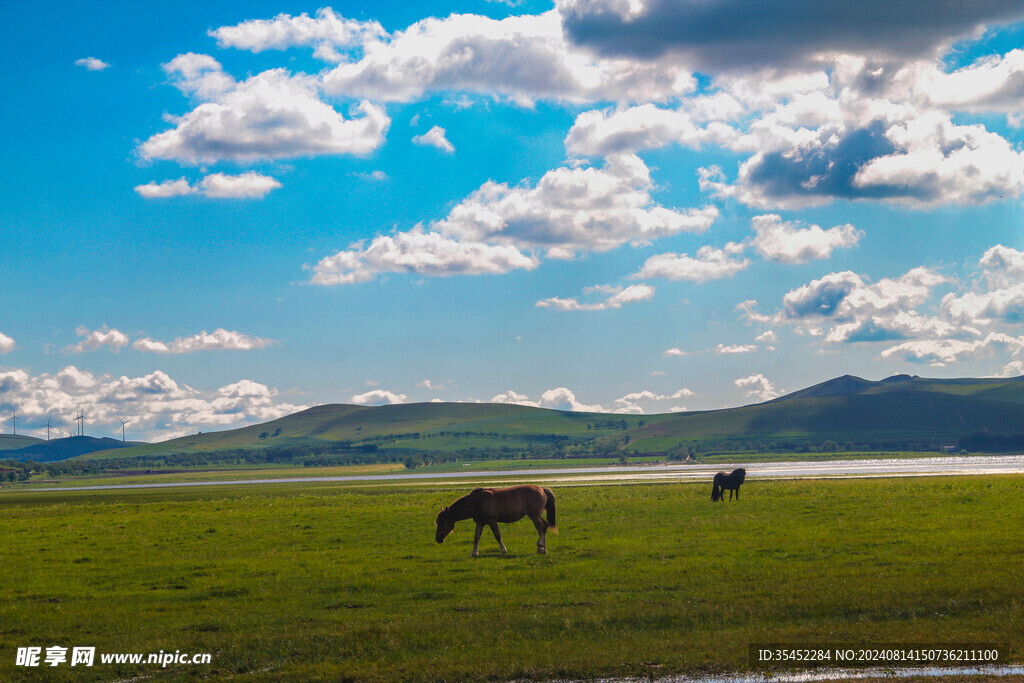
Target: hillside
405	427
61	449
895	413
10	442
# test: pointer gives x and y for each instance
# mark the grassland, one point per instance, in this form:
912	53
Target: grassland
306	582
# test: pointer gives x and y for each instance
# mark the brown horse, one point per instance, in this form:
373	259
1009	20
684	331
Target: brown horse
729	481
490	506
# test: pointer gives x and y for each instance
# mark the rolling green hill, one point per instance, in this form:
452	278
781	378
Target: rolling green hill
61	449
895	413
9	442
406	427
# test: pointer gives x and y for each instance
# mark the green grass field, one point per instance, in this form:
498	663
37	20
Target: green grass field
307	582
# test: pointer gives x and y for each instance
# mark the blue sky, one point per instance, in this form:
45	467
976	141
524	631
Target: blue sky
214	214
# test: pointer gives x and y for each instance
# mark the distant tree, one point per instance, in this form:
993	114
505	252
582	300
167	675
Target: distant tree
264	435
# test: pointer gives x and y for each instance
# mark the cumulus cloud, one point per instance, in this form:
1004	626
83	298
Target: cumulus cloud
736	348
105	337
249	185
737	34
326	32
759	387
6	343
617	297
168	188
218	340
939	352
564	399
435	137
708	264
417	251
570	209
379	397
998	297
523	58
157	406
641	402
788	242
514	398
92	64
272	115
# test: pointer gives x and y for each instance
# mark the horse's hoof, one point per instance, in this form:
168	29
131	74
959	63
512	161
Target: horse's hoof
542	551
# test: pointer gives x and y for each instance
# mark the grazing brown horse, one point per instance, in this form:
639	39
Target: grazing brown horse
490	506
729	481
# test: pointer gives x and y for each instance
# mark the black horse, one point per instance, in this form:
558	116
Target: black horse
729	481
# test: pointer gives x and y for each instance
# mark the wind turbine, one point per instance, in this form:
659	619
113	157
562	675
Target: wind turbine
14	421
123	423
48	428
81	423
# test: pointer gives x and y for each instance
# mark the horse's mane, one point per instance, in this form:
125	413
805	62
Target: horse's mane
457	510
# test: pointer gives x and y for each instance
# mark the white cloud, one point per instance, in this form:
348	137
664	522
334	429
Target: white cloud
759	387
677	352
735	348
709	264
628	130
249	185
999	297
639	402
6	343
617	298
379	397
92	64
564	399
272	115
325	32
846	296
416	251
1012	369
569	209
942	351
523	58
514	398
787	242
168	188
218	340
435	137
157	406
105	337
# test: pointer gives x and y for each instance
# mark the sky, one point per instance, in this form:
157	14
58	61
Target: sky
217	214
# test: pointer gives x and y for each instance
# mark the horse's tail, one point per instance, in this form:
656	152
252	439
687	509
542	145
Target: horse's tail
550	509
716	490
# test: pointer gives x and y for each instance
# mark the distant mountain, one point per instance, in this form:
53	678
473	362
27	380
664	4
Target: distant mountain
62	449
902	411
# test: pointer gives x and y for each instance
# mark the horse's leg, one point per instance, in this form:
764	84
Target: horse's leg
497	536
542	527
737	493
476	539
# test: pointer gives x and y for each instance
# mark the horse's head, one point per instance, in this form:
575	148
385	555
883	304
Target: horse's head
444	524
